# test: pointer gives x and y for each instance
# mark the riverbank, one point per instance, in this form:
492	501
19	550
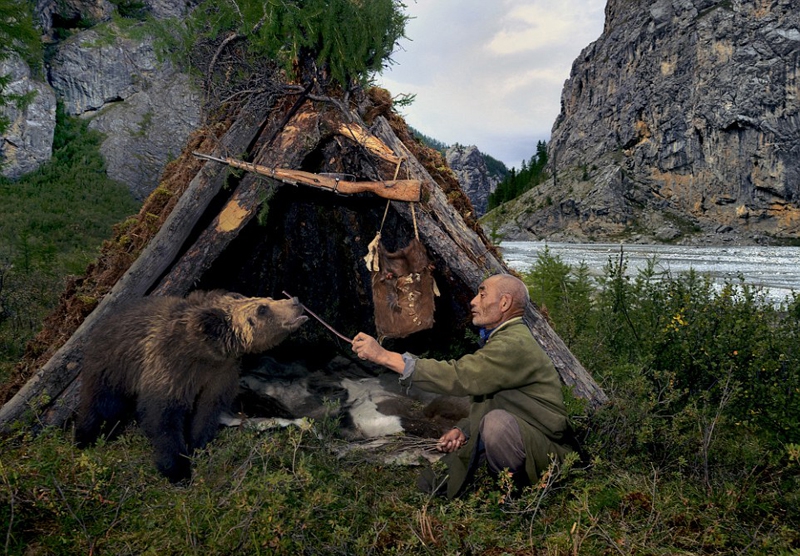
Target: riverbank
771	268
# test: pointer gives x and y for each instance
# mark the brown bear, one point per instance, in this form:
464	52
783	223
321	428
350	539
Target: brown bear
173	364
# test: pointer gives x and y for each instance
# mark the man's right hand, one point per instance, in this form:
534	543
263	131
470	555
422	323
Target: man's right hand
368	348
451	441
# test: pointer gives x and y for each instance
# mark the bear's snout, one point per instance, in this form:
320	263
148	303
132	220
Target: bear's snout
299	317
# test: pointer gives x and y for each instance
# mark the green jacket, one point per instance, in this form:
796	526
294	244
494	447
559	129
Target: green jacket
510	372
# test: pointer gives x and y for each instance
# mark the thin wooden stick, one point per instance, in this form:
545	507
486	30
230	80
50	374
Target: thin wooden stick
325	324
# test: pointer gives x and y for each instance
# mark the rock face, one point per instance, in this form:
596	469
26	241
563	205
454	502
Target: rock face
144	106
470	168
680	123
28	141
61	14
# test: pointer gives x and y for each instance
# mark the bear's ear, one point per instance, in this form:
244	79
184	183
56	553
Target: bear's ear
213	323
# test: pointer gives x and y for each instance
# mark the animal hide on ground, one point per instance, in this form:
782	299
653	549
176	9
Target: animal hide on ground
403	289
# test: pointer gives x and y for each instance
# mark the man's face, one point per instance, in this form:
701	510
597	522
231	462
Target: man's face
485	306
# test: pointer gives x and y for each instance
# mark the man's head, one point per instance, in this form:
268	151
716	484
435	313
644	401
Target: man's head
500	298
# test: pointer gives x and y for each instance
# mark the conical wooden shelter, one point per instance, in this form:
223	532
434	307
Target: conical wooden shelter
210	226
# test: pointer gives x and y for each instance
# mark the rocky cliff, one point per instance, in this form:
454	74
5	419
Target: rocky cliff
144	106
469	166
680	123
28	141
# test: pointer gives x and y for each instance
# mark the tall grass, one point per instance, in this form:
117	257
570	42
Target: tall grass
52	223
697	452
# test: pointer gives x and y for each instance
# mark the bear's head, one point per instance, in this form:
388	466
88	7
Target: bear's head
250	324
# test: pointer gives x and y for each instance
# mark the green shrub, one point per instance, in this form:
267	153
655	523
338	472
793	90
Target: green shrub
348	40
691	368
52	223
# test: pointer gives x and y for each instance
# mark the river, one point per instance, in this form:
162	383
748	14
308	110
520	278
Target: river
775	269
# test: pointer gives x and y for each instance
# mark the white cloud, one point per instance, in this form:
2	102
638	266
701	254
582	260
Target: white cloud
491	73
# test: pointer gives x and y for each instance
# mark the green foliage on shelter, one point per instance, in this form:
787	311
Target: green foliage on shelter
347	40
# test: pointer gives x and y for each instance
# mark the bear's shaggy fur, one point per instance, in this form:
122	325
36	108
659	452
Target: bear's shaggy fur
173	363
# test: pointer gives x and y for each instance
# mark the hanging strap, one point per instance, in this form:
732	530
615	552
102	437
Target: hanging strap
413	212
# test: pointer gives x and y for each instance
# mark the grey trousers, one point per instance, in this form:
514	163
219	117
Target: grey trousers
500	444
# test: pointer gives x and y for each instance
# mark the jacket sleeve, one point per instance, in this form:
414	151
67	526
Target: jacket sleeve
506	362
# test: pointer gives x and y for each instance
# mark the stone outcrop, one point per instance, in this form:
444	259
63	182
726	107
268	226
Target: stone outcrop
28	141
470	169
682	121
144	106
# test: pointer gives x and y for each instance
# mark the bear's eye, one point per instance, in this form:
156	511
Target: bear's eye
262	311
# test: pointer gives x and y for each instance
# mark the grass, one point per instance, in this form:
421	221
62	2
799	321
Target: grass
52	223
285	492
698	451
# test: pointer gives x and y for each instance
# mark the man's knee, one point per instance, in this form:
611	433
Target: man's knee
499	425
502	440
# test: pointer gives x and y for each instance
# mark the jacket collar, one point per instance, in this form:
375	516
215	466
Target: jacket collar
486	333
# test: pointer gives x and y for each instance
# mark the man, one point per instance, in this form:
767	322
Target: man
517	417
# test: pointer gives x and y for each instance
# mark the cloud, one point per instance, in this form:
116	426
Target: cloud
490	73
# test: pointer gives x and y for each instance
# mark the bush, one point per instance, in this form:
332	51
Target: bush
52	224
700	377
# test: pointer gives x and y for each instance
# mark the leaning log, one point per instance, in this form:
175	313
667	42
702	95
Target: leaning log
60	371
443	230
244	203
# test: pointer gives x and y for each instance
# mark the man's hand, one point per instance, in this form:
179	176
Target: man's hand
451	441
368	348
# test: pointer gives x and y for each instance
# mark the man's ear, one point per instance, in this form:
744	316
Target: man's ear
505	302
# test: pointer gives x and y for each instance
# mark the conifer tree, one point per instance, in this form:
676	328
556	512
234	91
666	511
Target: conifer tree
347	40
516	183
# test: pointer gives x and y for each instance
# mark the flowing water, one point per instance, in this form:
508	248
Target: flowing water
775	269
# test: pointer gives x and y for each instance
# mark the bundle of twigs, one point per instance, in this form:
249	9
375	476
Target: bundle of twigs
398	442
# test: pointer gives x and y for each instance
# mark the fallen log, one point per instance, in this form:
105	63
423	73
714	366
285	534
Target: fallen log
60	371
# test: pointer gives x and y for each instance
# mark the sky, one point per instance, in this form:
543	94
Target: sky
490	72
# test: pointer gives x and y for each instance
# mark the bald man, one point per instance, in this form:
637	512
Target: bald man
517	419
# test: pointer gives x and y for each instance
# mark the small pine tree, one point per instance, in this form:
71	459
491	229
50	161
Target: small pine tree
347	40
516	182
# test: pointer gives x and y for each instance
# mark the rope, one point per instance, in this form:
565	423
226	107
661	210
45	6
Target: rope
385	212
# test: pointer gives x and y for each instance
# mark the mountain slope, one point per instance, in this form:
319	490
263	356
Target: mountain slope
680	123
